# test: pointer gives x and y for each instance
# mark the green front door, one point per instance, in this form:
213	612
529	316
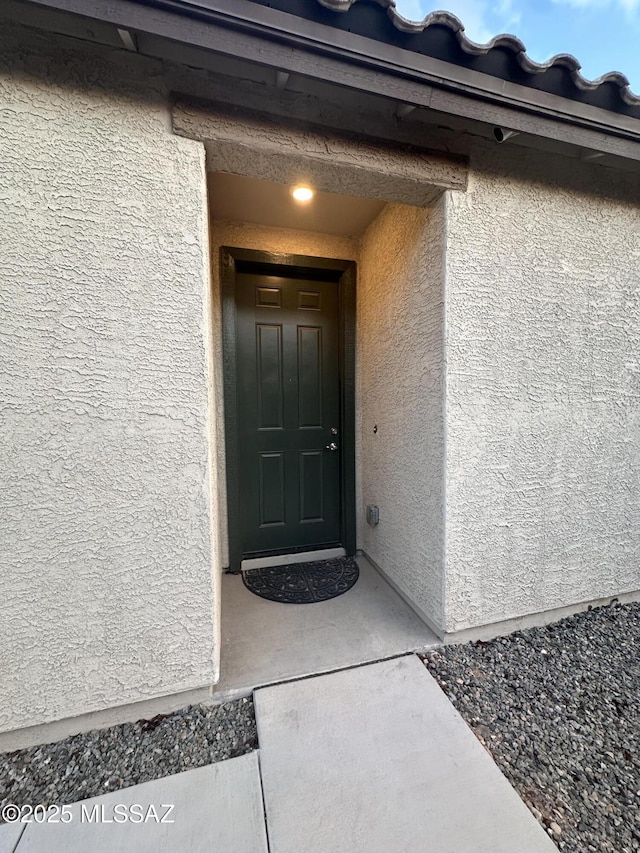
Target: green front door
288	405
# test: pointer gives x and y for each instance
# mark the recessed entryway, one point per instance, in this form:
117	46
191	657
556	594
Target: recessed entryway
396	252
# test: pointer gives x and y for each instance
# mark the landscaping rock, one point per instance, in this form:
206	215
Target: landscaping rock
104	760
558	709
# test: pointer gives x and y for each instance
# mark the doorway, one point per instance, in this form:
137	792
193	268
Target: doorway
289	366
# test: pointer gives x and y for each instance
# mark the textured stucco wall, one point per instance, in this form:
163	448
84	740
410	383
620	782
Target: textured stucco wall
108	591
543	400
266	239
401	391
249	144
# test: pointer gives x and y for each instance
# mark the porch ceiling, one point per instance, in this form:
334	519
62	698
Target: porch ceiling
237	198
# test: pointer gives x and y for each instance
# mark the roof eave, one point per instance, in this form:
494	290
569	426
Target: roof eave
296	45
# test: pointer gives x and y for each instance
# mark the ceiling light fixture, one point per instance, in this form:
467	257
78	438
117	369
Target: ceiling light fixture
302	193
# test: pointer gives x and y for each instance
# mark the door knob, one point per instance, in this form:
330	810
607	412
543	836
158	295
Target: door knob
332	446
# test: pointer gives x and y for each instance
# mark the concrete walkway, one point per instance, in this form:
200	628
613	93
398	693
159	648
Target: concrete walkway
373	759
215	808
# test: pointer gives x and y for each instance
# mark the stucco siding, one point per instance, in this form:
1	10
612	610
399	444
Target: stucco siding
108	591
401	400
543	343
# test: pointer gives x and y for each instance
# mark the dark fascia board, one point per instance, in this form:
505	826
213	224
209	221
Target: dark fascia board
289	43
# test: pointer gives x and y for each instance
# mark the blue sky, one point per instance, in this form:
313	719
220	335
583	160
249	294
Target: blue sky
604	35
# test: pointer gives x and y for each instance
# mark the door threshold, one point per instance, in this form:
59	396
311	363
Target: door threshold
288	559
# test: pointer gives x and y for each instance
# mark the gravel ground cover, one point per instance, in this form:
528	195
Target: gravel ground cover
105	760
558	707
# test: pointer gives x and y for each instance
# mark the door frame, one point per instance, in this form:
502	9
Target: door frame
232	261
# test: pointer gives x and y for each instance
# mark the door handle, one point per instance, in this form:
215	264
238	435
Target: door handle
333	446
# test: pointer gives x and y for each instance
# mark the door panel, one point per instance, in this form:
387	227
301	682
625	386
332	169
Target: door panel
311	479
309	377
272	489
269	376
288	399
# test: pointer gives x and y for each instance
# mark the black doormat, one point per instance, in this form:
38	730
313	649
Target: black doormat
303	583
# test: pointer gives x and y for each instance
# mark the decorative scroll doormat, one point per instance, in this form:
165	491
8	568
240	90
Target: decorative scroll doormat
303	583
